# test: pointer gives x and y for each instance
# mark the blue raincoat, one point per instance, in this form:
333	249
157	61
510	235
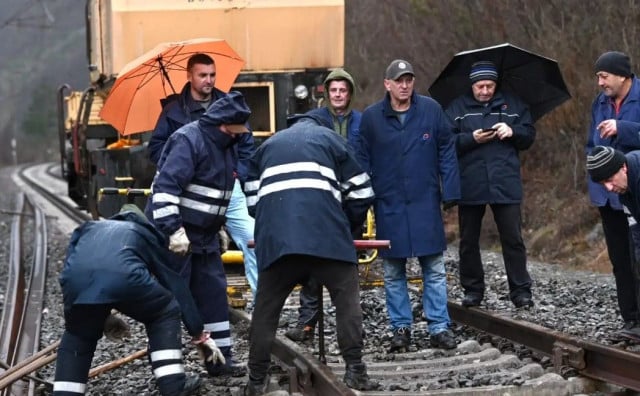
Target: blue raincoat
413	169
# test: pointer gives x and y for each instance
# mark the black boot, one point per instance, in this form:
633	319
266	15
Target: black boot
401	340
356	377
191	384
256	388
301	333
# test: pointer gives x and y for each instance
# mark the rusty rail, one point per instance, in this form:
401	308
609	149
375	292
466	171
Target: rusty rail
608	364
21	316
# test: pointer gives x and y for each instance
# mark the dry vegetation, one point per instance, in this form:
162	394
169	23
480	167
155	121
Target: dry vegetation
559	224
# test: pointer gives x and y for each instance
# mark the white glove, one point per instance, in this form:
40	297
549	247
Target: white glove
208	350
179	243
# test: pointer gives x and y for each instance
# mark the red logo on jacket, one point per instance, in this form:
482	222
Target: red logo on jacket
426	136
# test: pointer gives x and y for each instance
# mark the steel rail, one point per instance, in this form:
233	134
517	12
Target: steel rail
604	363
21	319
307	375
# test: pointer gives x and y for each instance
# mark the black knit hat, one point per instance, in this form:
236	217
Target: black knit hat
614	62
603	162
483	70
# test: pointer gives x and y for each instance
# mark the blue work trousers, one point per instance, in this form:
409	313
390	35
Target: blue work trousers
208	284
157	310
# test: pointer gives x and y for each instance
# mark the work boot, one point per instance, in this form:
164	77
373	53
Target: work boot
255	388
523	301
401	340
191	384
443	340
301	333
471	300
356	377
228	369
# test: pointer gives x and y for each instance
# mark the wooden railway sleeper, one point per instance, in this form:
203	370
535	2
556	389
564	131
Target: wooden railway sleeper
567	355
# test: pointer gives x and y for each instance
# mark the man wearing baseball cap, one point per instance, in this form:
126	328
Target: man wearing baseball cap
407	148
615	123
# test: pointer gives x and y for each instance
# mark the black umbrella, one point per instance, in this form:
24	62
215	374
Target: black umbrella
535	79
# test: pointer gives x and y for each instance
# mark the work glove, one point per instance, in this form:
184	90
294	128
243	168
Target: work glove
224	240
179	243
207	349
446	205
115	329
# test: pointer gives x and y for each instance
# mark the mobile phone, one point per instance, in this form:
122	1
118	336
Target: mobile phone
489	129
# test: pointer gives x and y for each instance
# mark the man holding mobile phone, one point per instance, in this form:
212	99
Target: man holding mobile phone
491	128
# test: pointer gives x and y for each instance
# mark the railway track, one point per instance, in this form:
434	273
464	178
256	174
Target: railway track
475	367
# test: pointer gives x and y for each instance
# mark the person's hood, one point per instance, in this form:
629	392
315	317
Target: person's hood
231	109
339	74
132	213
294	118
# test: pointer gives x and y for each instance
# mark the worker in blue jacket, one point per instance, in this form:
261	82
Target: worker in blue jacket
188	106
615	122
189	199
619	174
121	263
337	114
306	192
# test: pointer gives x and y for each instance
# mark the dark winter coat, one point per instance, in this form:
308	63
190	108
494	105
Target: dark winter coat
631	199
627	139
107	260
194	182
179	110
490	172
306	192
413	169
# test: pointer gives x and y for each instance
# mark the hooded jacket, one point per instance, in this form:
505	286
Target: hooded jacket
348	124
108	260
194	182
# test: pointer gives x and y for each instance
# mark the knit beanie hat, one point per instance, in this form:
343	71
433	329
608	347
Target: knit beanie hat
603	162
614	62
483	70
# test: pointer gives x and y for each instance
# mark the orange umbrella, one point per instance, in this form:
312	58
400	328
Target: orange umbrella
133	104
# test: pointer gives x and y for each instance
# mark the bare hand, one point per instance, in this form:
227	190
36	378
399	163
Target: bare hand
608	128
481	136
503	130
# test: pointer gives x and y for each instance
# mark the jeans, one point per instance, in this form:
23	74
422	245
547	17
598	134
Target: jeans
434	295
240	227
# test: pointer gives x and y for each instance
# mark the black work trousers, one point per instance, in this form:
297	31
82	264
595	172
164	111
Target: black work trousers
508	221
619	248
309	303
277	282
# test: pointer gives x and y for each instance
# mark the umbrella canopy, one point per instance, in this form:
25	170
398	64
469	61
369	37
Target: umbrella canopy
535	79
133	104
